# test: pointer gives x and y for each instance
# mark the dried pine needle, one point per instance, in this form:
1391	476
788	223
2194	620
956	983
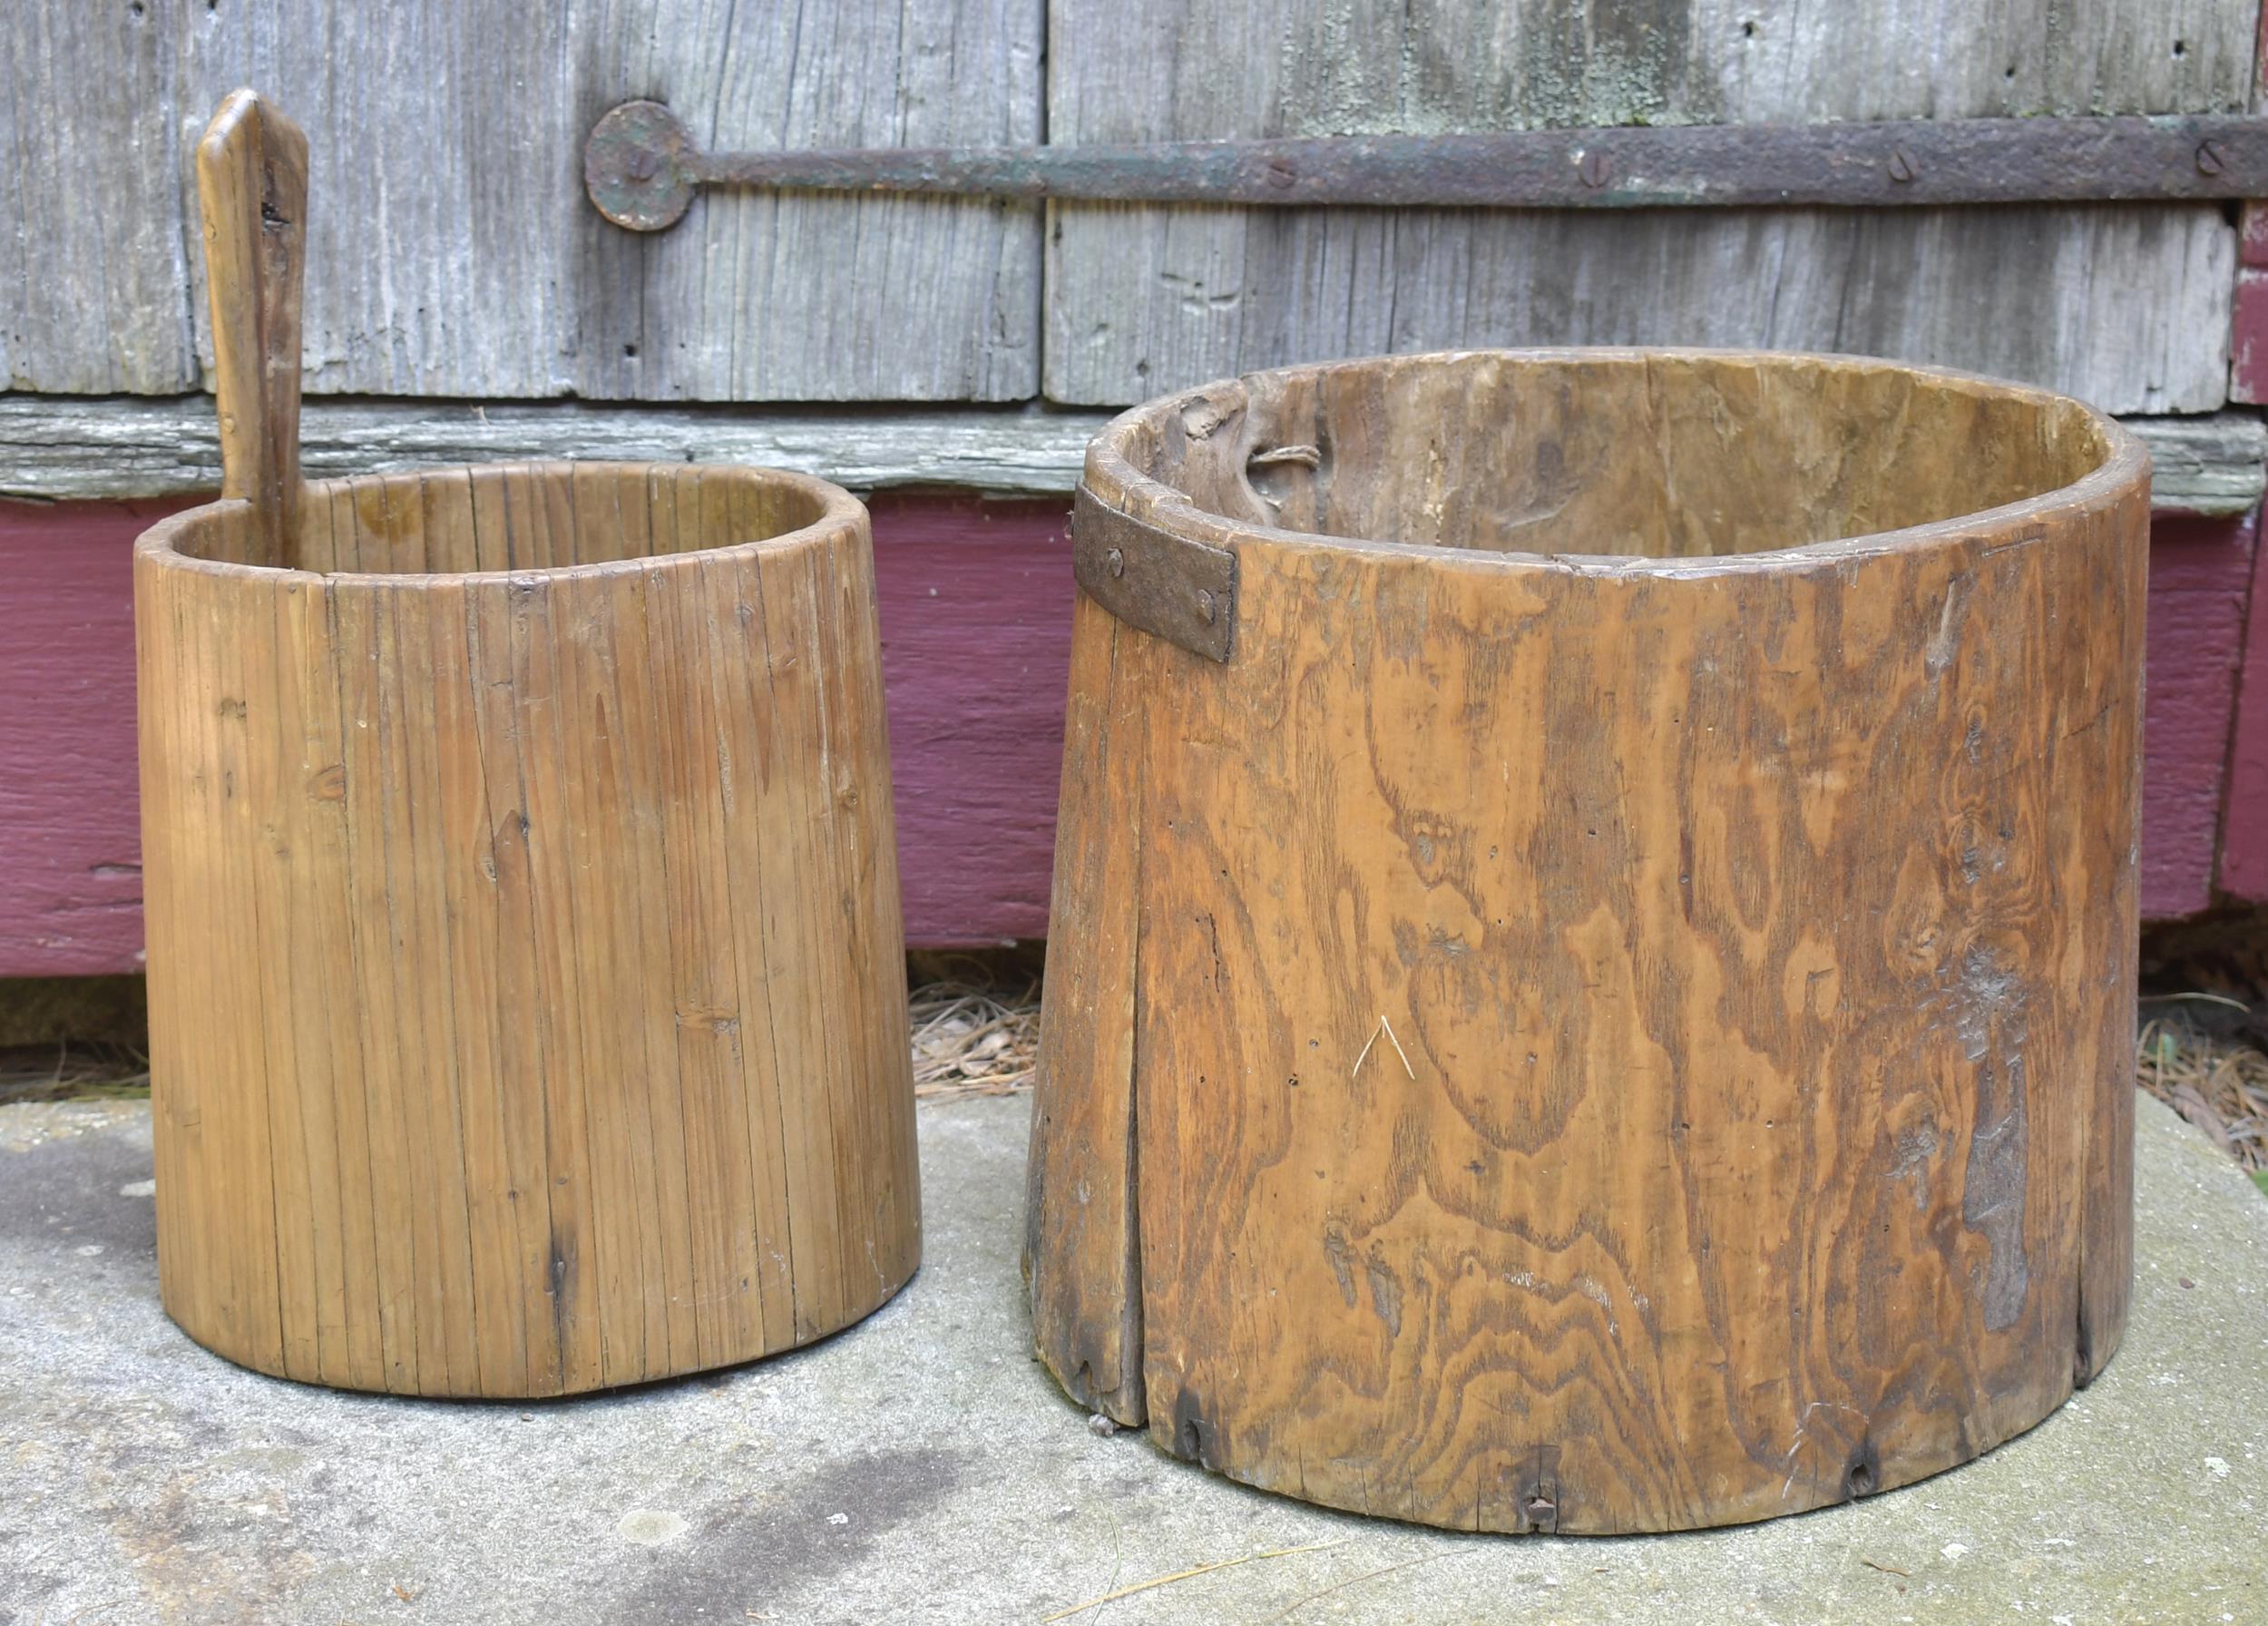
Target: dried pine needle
1386	1028
2219	1085
970	1041
1143	1586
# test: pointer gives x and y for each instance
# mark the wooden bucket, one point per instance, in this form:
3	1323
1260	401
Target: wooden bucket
526	990
1593	977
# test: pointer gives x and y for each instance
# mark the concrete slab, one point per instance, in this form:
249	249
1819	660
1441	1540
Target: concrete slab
921	1468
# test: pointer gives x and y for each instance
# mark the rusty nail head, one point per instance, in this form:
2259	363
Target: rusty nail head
639	167
1116	561
1594	170
1541	1509
1205	606
2211	160
1901	165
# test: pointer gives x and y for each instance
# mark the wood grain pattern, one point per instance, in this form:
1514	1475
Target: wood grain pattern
526	995
93	163
252	198
1633	956
470	262
1146	299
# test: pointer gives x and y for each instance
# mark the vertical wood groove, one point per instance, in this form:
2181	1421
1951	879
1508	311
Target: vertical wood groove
551	899
734	650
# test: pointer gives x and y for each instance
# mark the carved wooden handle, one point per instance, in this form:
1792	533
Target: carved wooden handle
252	189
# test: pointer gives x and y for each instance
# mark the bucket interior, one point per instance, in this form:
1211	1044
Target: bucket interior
1661	455
521	517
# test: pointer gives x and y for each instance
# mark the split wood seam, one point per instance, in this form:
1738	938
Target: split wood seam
1719	774
527	987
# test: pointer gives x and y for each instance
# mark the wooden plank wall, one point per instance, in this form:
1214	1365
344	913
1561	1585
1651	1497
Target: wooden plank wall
451	251
2125	307
455	268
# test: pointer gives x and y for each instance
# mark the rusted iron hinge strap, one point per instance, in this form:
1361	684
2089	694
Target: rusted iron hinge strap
642	166
1175	588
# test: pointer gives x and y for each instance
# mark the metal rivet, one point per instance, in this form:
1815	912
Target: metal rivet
2211	160
1205	605
1116	561
1901	167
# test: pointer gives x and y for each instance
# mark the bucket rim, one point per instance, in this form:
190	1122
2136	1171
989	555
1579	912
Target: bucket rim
2125	467
838	511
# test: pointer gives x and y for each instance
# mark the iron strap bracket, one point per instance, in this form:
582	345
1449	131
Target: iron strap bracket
1172	587
642	166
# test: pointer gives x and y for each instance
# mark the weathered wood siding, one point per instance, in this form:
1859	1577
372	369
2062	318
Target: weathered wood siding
95	243
451	251
55	447
2126	307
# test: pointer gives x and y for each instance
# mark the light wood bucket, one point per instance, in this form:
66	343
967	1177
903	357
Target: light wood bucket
526	984
1591	986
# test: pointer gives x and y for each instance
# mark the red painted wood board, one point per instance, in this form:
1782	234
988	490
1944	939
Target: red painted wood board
974	599
2244	809
2201	578
2248	327
70	838
976	651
